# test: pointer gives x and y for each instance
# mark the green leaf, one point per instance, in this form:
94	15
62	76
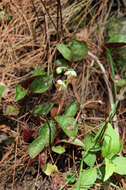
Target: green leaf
121	83
20	93
61	63
68	125
75	141
90	158
120	165
43	140
36	146
87	179
71	110
11	110
1	90
38	72
118	38
49	169
43	110
109	169
65	51
46	130
79	50
111	144
101	173
42	83
70	178
89	142
58	149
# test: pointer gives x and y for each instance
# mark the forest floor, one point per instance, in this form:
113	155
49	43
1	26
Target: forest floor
29	34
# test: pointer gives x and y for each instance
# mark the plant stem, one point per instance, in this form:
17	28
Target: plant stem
111	99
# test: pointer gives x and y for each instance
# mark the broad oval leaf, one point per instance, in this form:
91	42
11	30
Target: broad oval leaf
36	146
120	165
109	168
43	109
47	131
58	149
20	93
90	143
42	83
65	51
87	179
61	63
71	110
43	140
111	144
79	50
38	72
68	125
90	158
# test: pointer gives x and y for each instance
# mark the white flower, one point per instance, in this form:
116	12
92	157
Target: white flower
61	84
70	73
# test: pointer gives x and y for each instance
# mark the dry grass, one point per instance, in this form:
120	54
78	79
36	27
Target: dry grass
29	41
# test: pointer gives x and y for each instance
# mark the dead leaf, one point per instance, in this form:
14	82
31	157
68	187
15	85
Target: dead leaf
54	111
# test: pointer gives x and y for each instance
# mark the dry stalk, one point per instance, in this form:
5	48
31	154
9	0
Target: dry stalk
111	99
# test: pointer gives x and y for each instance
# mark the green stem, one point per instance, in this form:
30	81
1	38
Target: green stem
79	180
112	68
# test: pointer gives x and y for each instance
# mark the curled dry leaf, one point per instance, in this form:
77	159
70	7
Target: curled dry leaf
30	161
54	111
43	158
27	135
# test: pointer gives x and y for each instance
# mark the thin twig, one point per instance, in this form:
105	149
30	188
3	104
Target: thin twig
57	20
36	14
111	99
61	17
49	15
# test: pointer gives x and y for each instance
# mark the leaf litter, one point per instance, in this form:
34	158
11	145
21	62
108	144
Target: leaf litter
29	38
